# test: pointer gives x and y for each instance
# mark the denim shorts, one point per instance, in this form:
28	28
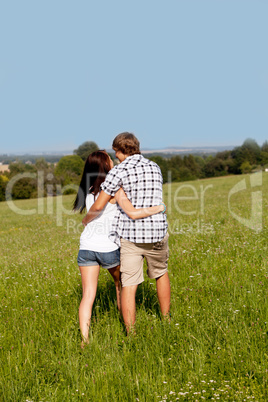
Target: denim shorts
106	260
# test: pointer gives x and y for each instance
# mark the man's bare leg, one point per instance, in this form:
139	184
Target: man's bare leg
163	293
128	306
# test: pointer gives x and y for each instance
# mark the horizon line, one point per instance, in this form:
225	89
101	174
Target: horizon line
162	149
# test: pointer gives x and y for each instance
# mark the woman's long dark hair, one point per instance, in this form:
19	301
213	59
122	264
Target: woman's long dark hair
96	168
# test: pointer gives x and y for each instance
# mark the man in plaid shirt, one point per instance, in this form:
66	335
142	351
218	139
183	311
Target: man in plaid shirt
141	179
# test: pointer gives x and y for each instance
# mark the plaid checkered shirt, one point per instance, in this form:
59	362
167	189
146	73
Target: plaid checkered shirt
142	181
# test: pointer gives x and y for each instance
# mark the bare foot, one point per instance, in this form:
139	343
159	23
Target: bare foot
84	343
167	317
131	331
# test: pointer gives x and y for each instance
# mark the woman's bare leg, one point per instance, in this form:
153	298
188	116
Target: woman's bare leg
115	272
89	276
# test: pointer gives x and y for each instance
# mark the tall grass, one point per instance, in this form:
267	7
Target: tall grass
214	348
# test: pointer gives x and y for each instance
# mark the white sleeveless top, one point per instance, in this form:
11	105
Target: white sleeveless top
95	235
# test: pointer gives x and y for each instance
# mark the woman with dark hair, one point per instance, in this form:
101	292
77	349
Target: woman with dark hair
95	246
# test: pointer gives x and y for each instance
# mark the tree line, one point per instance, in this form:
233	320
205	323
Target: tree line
24	178
243	159
58	177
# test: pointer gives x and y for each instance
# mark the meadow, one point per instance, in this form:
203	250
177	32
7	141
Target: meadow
215	346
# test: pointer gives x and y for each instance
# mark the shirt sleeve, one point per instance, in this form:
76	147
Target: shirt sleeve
112	182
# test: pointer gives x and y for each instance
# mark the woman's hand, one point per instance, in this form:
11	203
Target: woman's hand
163	207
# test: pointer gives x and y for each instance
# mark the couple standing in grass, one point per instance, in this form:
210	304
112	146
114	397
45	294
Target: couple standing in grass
126	213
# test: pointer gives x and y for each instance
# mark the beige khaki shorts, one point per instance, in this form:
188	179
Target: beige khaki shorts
131	260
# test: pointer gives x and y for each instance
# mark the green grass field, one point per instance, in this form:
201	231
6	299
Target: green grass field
214	348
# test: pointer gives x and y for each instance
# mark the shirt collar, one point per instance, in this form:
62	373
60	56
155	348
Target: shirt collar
133	159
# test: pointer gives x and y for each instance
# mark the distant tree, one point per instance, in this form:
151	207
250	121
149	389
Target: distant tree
3	184
69	170
19	167
162	163
24	188
229	165
251	150
85	149
199	160
41	164
264	158
69	164
174	174
224	155
185	174
227	162
248	152
264	147
48	187
175	162
191	164
214	167
237	156
246	167
251	144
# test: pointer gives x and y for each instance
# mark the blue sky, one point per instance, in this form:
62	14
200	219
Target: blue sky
176	73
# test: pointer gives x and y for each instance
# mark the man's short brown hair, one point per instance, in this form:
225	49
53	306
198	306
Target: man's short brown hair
126	143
